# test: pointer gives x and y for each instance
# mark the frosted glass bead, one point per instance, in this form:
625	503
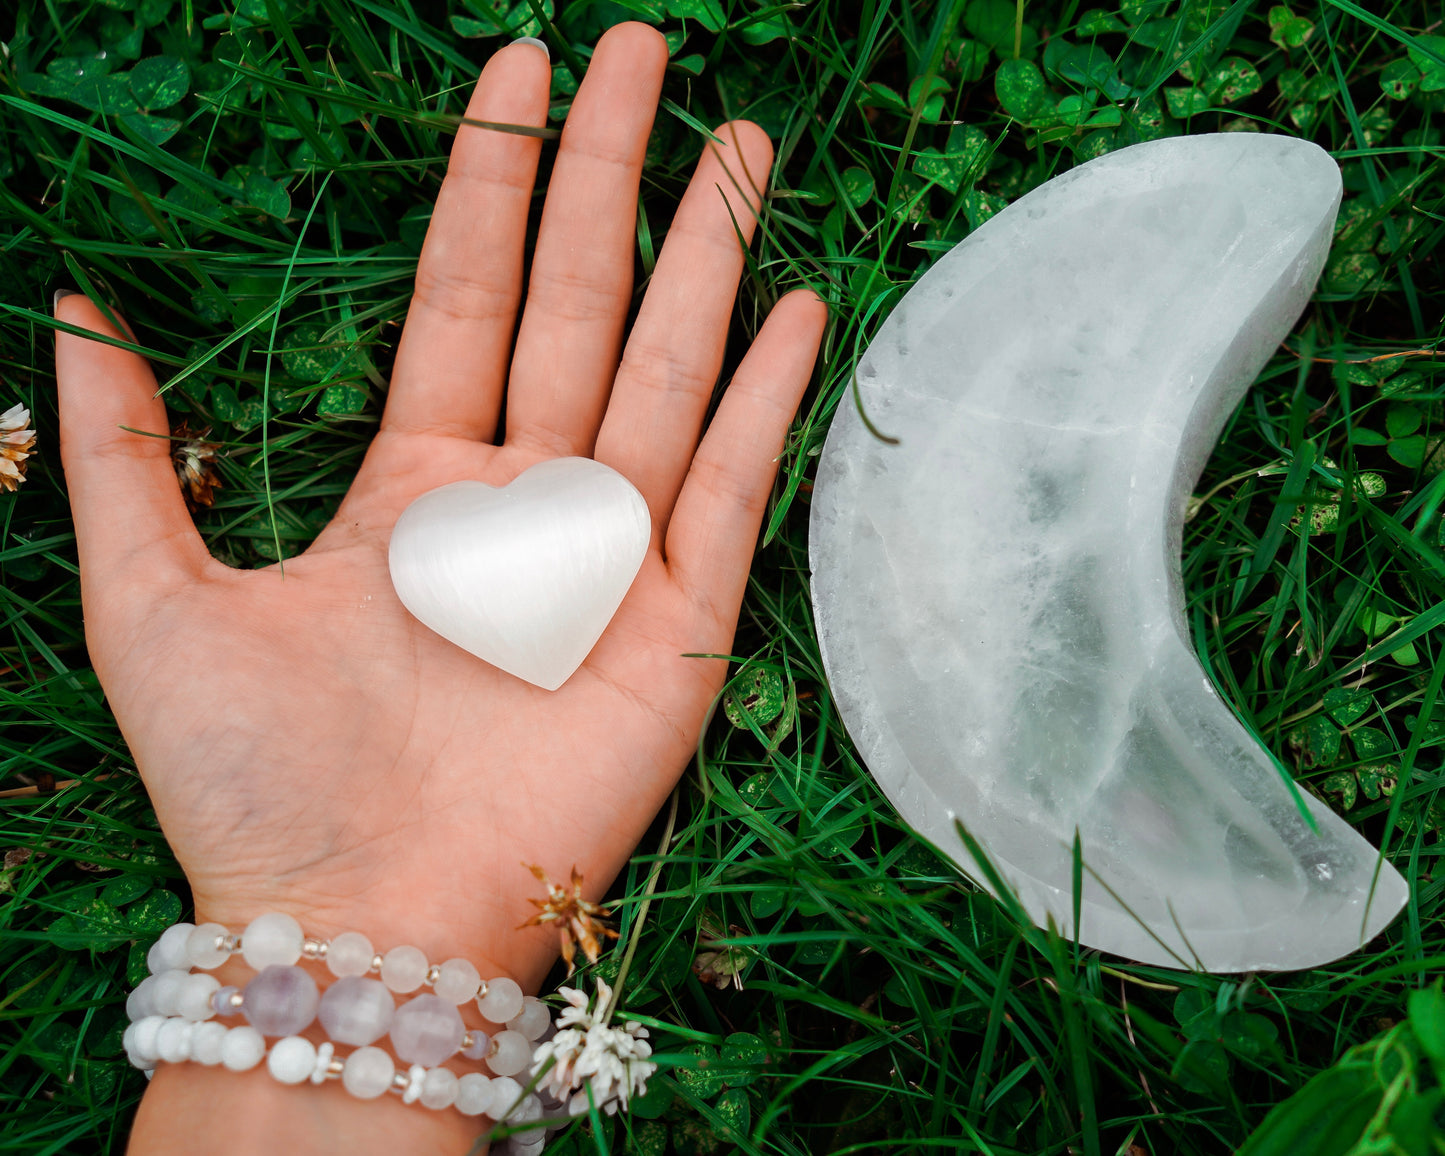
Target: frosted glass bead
166	991
478	1048
505	1092
280	1001
474	1094
502	1001
367	1073
355	1010
272	939
403	968
439	1088
141	1001
526	1112
532	1020
426	1030
509	1054
169	951
290	1060
193	1000
350	953
173	1041
458	981
202	945
144	1039
206	1041
242	1049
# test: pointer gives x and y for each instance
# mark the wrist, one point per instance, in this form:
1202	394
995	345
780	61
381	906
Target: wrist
442	923
240	1113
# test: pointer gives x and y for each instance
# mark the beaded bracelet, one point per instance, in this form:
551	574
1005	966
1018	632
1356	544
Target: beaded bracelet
171	1012
366	1073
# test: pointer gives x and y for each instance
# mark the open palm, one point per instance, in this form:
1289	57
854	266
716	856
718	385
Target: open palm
308	745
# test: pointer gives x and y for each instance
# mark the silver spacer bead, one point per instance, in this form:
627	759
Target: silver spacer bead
313	949
334	1069
481	991
467	1040
376	962
433	973
400	1082
228	942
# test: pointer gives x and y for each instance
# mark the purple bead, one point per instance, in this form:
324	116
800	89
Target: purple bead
426	1030
480	1043
280	1001
356	1010
221	1001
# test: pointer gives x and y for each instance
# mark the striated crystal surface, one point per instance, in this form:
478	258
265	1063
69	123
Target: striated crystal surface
998	594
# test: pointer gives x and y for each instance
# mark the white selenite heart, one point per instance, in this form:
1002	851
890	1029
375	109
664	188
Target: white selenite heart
527	575
998	593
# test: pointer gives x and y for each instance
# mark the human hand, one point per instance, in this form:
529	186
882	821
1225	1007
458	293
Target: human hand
309	747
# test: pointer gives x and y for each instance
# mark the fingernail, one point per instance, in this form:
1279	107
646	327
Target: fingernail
59	293
542	44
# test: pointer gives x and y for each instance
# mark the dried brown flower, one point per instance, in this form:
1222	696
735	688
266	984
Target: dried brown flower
717	962
578	921
195	462
16	442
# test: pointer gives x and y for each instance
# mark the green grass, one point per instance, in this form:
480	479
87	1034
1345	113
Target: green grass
886	1004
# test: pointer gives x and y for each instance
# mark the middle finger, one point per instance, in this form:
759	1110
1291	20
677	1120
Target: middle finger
581	284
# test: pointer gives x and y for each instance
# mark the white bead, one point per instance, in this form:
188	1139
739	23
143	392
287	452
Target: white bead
194	998
480	1045
527	1111
368	1073
502	1001
505	1092
532	1020
144	1039
474	1094
206	1040
509	1054
173	1041
133	1053
141	1002
166	991
321	1071
458	981
414	1077
528	1143
202	945
169	951
403	968
242	1048
350	953
291	1059
439	1088
271	939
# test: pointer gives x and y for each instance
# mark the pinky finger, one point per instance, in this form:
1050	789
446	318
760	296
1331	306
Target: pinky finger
714	526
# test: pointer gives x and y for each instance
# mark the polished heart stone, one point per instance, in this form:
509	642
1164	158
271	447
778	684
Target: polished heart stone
528	575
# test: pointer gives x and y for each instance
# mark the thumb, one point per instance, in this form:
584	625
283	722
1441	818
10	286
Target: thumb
131	522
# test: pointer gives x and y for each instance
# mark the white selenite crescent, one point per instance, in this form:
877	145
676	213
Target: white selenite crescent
998	595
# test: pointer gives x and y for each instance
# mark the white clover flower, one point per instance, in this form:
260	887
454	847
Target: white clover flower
588	1052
